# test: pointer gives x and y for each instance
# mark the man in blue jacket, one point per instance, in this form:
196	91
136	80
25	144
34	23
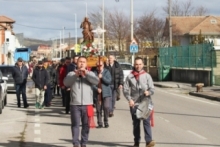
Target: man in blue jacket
102	94
81	94
20	74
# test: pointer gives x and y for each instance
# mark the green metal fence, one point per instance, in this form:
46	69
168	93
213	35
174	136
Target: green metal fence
193	56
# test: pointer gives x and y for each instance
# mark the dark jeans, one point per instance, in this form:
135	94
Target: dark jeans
104	106
48	95
79	112
67	101
113	99
136	127
63	92
21	89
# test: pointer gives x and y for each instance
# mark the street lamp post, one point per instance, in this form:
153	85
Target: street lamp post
99	31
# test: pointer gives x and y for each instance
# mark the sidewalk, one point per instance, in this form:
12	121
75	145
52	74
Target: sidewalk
212	93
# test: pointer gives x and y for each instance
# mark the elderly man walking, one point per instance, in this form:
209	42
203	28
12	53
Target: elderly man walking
80	82
102	94
20	75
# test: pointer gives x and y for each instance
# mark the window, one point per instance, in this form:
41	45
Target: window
213	21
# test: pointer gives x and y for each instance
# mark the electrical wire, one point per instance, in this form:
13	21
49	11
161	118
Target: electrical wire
43	28
41	0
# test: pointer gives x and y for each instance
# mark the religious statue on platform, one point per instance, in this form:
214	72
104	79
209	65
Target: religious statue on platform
88	35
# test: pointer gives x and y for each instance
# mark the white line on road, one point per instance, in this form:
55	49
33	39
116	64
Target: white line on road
163	119
36	125
38	132
38	140
199	136
191	98
37	115
37	119
37	110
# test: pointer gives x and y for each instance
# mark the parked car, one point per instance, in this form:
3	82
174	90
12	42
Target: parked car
7	72
127	68
3	91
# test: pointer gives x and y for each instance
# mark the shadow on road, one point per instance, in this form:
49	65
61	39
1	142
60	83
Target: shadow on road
28	144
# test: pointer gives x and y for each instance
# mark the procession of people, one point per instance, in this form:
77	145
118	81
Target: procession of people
71	78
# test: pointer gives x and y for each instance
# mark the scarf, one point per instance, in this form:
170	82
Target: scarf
90	114
137	74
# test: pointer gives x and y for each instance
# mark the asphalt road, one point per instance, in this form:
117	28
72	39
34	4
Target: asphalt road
180	121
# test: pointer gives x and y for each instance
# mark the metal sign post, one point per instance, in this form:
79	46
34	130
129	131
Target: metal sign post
133	50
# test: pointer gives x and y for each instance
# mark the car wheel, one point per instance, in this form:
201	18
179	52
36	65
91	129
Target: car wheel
0	107
5	102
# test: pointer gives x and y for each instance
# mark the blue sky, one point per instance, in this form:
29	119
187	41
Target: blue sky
56	14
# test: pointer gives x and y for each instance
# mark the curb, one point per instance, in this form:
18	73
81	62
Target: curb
164	86
205	96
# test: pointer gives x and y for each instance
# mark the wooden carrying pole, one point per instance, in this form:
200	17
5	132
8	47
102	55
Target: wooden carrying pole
100	84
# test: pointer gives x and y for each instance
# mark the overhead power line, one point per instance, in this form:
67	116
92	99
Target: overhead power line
41	0
43	28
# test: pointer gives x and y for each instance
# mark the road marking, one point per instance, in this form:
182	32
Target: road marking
197	135
163	119
38	140
37	119
37	110
37	115
192	98
37	132
36	125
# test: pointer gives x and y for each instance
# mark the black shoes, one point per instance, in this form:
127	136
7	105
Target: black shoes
106	125
99	126
26	106
136	144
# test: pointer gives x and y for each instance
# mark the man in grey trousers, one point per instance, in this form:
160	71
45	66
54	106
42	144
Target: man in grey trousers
80	81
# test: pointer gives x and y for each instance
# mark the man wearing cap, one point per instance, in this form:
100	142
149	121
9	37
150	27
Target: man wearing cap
20	74
40	78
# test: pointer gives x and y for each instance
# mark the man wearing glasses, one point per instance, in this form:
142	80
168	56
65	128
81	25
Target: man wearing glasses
102	94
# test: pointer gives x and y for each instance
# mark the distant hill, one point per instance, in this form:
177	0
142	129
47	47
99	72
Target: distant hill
34	43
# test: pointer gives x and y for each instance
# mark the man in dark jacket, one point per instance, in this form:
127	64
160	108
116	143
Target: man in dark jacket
102	94
117	80
64	70
20	74
40	78
50	84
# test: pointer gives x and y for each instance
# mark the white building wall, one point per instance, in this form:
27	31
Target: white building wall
11	43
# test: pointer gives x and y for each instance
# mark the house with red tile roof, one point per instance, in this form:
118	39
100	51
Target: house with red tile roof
6	29
186	28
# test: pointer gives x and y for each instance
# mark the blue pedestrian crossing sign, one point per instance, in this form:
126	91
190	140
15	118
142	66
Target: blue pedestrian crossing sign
133	47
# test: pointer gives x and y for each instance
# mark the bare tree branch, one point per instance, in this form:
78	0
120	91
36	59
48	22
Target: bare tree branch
201	11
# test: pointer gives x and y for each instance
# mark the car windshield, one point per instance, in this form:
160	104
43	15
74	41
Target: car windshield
126	66
6	71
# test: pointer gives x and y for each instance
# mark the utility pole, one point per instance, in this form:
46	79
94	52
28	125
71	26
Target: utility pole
170	24
69	46
60	47
132	29
103	27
